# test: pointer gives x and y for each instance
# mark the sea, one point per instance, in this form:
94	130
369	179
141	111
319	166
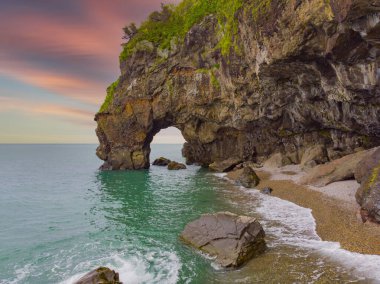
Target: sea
61	217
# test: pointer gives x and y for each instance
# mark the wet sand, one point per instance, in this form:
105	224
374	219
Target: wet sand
336	219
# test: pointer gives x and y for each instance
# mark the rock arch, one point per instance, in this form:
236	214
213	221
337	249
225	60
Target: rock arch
272	93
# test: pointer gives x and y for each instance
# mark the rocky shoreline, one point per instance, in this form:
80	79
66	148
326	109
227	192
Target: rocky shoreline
338	215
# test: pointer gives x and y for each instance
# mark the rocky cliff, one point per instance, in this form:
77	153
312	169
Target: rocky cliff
276	77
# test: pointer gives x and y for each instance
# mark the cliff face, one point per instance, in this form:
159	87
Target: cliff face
298	73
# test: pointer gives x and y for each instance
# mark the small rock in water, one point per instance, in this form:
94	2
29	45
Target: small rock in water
176	166
232	239
266	190
161	162
100	275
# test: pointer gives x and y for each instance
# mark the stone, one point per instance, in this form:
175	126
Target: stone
366	165
277	160
247	177
101	275
300	77
313	156
368	196
337	170
225	165
266	190
232	239
161	162
176	166
309	165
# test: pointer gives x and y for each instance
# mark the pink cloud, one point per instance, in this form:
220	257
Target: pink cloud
72	114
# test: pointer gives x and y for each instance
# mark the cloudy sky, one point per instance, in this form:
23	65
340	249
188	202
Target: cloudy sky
56	60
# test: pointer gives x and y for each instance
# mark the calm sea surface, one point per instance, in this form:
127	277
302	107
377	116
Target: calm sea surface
60	217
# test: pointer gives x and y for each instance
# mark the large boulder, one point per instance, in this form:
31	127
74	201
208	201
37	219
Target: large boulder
313	156
225	165
247	177
232	239
100	275
337	170
368	196
365	166
176	166
277	160
161	162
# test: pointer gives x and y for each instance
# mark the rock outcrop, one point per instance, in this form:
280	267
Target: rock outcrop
246	177
102	275
313	156
232	239
366	165
163	162
176	166
368	194
337	170
278	76
225	165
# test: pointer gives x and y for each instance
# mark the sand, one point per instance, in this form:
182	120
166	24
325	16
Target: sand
333	207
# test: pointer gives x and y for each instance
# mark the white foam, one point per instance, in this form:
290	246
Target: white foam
293	225
21	274
152	267
298	228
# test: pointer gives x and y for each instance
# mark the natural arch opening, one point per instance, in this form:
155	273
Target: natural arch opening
168	143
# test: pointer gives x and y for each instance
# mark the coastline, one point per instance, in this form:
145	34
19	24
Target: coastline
333	207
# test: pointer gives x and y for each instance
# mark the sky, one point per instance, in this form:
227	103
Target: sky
56	60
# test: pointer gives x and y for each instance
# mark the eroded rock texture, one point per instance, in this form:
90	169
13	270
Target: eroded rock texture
303	73
232	239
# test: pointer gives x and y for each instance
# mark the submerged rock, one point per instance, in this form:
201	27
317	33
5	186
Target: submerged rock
232	239
161	162
101	275
176	166
225	165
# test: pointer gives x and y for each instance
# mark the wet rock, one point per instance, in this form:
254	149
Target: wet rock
368	196
277	160
232	239
176	166
266	190
161	162
247	177
225	165
365	166
337	170
101	275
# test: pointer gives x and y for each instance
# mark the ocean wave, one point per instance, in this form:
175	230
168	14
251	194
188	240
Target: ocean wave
152	267
298	228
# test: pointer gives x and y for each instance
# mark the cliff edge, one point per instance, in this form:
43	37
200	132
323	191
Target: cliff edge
247	79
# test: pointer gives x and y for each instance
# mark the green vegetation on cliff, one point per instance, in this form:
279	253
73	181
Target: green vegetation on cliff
109	98
173	22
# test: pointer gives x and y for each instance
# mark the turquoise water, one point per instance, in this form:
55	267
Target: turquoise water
61	217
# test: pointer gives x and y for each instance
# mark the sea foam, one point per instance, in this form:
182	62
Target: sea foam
296	226
299	229
152	267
